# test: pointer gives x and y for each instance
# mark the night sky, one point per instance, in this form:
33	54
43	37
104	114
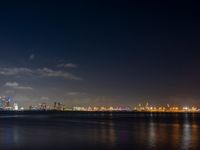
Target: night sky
100	52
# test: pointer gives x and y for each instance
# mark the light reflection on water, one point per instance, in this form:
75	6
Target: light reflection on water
156	132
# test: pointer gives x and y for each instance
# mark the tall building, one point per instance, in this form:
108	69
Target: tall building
55	106
1	103
15	106
5	102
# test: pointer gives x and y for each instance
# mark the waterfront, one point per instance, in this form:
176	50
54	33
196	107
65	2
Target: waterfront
100	131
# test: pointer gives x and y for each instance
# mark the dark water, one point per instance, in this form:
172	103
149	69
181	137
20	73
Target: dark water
110	131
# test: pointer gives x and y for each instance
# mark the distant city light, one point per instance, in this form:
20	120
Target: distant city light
6	104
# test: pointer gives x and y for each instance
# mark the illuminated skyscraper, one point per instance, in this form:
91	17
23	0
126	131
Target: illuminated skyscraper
15	106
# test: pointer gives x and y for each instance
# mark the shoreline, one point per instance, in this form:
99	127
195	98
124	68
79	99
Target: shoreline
66	113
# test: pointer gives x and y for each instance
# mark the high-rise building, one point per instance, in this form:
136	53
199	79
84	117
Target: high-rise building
15	106
55	106
5	102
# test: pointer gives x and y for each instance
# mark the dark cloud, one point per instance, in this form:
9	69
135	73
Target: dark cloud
42	72
69	65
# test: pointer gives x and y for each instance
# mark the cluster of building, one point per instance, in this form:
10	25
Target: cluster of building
6	103
101	108
152	108
44	106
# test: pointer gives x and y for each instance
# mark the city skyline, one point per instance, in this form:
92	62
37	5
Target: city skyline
99	53
8	104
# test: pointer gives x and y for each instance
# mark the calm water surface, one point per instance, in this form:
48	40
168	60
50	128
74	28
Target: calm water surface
118	131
